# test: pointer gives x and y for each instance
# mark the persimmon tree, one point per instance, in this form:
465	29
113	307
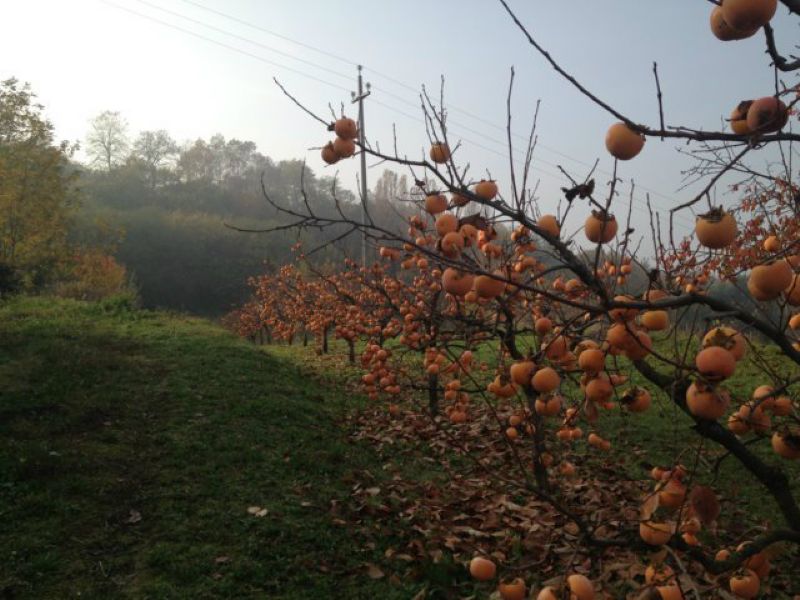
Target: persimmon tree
507	316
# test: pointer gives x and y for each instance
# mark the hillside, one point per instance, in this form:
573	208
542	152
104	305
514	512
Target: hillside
135	442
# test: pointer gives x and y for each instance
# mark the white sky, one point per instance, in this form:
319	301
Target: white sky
86	56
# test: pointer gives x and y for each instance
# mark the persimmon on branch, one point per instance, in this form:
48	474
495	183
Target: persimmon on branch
479	272
681	132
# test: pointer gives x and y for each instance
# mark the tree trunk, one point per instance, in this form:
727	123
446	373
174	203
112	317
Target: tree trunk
351	351
433	394
539	448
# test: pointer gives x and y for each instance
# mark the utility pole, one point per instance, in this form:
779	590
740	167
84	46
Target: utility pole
361	137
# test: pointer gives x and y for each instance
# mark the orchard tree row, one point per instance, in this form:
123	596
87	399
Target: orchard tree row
492	309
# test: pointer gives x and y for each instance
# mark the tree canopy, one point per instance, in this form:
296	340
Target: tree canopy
37	188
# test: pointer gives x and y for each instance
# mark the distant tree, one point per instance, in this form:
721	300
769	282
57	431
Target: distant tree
37	195
390	203
196	162
107	141
155	149
239	156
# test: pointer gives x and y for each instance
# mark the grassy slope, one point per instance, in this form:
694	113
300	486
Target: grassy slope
104	411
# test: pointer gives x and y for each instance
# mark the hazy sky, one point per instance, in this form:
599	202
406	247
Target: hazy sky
86	56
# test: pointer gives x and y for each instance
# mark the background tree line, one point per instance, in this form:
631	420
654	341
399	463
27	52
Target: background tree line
148	209
172	203
39	200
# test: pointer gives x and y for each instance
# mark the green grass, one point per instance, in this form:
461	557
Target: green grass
132	445
659	436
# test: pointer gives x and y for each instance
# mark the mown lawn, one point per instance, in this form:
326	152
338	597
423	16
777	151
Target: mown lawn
133	444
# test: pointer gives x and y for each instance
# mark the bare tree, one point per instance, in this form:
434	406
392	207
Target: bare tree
107	141
155	149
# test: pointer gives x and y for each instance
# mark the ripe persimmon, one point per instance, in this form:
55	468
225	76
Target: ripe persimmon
547	593
592	360
550	225
599	389
482	569
452	244
771	244
622	142
655	533
655	320
598	442
728	338
724	32
446	223
792	293
486	189
345	128
513	590
548	406
707	402
640	346
489	287
435	203
745	584
440	152
328	154
543	325
344	148
619	337
600	227
622	314
545	380
556	347
522	371
786	444
767	114
636	399
654	295
457	282
782	406
502	388
716	229
715	363
770	280
738	118
672	495
580	586
746	15
756	419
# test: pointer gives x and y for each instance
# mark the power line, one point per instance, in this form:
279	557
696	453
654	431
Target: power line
558	176
405	86
298	72
245	39
222	44
270	32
